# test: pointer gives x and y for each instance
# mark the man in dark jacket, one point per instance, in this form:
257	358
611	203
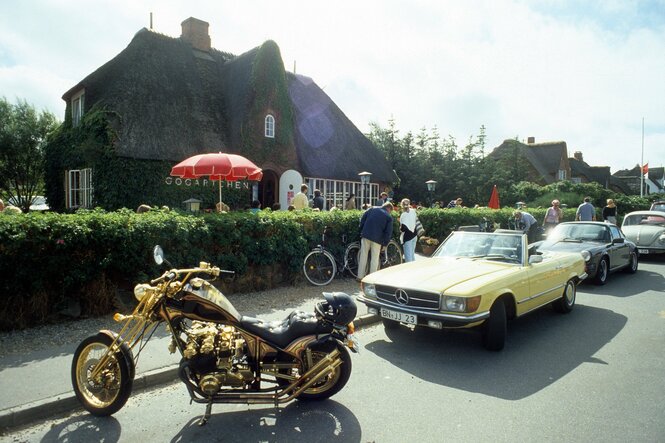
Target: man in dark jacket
318	200
376	230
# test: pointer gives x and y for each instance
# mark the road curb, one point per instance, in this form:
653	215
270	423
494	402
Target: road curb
67	402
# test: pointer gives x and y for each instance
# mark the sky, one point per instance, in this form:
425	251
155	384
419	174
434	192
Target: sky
587	72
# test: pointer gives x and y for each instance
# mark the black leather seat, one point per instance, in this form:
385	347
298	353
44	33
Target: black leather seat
283	332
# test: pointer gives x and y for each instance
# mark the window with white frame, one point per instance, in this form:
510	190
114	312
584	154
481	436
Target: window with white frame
335	192
78	190
77	108
270	126
562	174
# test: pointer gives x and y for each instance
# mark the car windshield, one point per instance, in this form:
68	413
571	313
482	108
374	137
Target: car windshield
579	232
644	219
483	246
658	207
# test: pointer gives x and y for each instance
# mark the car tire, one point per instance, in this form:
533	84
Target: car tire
632	263
389	324
566	303
495	327
603	272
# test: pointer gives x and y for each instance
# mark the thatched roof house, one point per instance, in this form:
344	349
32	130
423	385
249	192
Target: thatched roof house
168	98
545	162
582	172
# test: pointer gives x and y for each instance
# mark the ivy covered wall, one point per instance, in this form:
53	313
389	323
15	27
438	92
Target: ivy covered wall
119	181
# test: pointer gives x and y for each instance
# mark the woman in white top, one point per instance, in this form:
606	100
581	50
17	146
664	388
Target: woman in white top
553	216
407	224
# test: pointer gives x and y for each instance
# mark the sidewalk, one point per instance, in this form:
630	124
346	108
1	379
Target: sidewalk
37	385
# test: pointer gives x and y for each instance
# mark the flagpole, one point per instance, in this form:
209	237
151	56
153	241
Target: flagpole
642	163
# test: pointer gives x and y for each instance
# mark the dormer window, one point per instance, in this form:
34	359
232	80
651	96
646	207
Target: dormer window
77	107
270	126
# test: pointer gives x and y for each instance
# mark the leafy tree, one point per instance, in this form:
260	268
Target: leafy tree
22	135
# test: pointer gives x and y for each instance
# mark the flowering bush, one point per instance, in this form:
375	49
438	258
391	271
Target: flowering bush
429	241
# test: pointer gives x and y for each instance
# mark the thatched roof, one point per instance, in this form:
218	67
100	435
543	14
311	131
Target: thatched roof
174	101
546	158
598	174
328	144
148	85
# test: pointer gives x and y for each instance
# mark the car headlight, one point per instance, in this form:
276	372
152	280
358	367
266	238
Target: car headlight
141	290
461	304
586	255
369	290
662	238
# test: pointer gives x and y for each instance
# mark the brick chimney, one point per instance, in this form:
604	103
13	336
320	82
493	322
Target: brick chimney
578	156
531	140
195	32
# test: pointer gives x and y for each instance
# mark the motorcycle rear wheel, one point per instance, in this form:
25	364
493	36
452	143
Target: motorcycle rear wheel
109	391
334	382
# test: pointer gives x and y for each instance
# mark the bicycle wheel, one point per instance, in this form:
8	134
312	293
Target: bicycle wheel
319	267
351	258
392	255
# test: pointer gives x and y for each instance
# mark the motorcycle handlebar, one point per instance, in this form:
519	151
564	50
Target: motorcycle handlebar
170	275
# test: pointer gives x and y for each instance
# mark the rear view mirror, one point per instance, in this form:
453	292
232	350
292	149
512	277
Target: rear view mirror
158	254
535	259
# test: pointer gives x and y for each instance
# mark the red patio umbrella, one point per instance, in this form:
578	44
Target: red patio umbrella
494	199
218	166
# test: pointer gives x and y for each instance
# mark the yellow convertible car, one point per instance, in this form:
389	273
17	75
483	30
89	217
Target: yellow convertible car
474	279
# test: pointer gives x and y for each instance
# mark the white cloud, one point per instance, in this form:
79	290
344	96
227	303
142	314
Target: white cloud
561	72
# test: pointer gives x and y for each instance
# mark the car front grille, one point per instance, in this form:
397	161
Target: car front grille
430	301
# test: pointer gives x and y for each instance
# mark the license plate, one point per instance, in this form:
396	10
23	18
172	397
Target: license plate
410	319
643	251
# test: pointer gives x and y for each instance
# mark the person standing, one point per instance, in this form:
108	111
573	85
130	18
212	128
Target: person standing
350	203
586	211
528	224
610	212
318	201
384	199
553	216
407	224
256	207
457	203
300	201
376	230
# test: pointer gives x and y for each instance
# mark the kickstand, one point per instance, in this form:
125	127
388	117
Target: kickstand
206	416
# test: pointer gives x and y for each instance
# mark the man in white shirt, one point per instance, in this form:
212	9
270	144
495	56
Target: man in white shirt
300	201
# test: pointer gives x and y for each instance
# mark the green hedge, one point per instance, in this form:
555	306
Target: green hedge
50	260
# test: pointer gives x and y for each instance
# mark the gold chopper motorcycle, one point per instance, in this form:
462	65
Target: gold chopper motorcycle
226	357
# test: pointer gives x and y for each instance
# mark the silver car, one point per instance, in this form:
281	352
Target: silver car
647	230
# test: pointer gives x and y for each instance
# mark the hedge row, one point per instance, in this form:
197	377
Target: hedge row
50	261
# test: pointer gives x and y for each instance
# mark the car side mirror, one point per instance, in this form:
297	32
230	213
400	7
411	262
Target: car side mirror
535	259
618	240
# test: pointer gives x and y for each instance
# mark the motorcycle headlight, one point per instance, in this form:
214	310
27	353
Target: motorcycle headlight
141	290
369	290
586	255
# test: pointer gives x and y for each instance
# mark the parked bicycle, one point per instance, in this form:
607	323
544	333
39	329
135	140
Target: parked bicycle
321	265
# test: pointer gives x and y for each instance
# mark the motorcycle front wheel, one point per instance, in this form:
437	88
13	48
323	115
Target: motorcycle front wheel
108	391
333	383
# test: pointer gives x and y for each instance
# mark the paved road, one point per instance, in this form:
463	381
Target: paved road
593	375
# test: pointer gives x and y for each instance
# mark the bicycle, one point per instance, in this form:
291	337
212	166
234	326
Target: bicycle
321	265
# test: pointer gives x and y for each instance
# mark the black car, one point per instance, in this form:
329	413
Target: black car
604	247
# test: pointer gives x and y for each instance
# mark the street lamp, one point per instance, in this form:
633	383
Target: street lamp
192	205
364	179
431	186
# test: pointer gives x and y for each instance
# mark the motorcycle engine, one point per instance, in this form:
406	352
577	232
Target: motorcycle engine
216	355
